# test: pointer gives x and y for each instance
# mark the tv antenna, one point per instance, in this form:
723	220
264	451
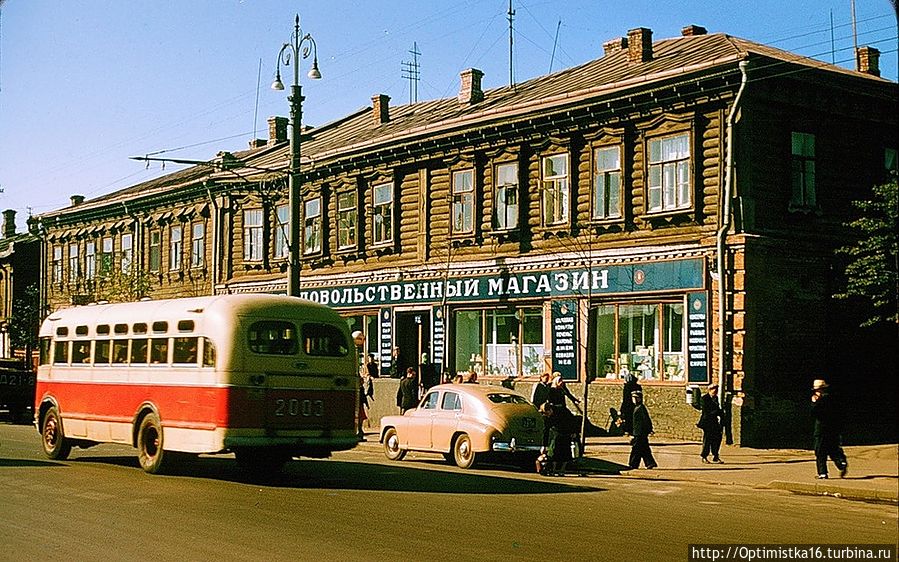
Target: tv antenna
412	73
511	15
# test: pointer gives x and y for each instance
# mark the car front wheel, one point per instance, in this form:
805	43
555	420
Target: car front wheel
464	452
392	448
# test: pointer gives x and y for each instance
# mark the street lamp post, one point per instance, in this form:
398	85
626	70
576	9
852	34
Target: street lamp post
290	54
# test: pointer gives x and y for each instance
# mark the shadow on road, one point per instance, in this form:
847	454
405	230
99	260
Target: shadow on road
27	463
334	474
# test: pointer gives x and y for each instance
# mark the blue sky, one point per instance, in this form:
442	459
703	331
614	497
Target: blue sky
85	84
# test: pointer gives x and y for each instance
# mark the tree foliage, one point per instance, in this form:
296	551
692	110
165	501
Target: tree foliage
25	320
871	271
122	286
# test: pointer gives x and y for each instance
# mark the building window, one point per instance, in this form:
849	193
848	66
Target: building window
312	226
346	220
803	171
499	342
106	256
890	163
505	199
555	190
57	264
382	213
669	174
649	341
127	252
74	263
197	244
252	235
155	258
463	202
607	183
282	247
175	248
90	259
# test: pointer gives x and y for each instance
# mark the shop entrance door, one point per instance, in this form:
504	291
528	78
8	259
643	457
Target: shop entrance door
413	337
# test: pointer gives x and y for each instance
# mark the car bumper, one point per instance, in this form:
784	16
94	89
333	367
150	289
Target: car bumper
513	447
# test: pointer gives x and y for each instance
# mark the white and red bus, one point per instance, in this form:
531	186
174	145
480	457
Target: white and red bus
266	377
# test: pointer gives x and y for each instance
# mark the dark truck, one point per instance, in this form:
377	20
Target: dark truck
17	383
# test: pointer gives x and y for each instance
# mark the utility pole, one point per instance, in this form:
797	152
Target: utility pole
412	72
511	15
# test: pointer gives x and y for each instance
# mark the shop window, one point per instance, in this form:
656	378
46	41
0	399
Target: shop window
499	342
607	183
312	226
555	190
175	248
252	235
463	202
382	214
803	172
669	174
282	216
645	339
505	198
368	325
346	220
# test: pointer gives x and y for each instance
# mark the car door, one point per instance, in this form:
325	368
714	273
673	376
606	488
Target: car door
418	422
445	420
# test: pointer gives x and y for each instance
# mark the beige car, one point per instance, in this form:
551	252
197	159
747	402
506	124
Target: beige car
464	421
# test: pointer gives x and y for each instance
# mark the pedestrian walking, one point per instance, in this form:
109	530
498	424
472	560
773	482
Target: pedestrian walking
427	372
559	424
711	422
363	404
642	429
828	427
407	394
541	390
626	412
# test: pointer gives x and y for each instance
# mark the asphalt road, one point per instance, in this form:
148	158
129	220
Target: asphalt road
99	505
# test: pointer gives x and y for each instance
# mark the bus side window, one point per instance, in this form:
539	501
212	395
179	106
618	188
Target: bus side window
138	351
119	351
101	352
185	351
45	351
159	350
60	351
208	353
81	352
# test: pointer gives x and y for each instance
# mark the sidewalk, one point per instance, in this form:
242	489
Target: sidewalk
873	469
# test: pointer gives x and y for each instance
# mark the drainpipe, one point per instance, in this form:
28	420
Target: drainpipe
722	232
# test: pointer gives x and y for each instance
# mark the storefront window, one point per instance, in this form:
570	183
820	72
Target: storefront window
499	343
645	339
368	325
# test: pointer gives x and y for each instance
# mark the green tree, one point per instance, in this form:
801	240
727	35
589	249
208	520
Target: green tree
123	286
26	319
871	271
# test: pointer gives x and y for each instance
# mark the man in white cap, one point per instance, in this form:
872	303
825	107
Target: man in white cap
828	424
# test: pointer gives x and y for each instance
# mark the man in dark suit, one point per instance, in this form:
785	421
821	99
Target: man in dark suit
711	422
642	429
541	390
407	394
828	426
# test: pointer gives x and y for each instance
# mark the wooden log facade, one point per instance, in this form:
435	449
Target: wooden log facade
567	224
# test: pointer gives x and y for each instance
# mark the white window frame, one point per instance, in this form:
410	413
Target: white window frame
382	214
74	261
252	234
669	180
506	197
282	240
347	219
176	247
154	260
607	187
106	256
463	203
90	259
556	193
197	244
312	226
127	252
57	264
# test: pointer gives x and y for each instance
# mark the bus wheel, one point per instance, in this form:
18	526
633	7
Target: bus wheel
261	461
464	452
150	452
55	444
392	445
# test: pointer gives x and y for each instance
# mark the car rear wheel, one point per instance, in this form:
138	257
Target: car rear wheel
392	448
463	452
53	440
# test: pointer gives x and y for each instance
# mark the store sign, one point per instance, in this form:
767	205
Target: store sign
613	279
564	328
385	324
697	338
438	336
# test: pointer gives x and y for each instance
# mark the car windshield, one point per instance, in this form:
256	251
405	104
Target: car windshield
506	398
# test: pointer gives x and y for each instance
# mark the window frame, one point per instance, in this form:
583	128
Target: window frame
559	187
74	261
679	164
176	247
127	254
90	259
463	202
347	220
606	214
386	227
281	247
499	199
253	239
313	220
154	252
197	245
803	173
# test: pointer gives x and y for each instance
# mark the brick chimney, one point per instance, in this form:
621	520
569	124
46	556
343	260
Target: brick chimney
470	90
639	45
9	223
76	200
380	104
867	60
34	225
258	143
691	30
614	46
277	130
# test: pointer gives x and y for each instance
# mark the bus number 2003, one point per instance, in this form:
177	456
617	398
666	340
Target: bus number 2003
295	407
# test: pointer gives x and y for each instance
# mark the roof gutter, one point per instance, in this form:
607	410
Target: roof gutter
722	232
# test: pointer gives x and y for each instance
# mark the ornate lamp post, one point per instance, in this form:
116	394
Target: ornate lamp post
290	55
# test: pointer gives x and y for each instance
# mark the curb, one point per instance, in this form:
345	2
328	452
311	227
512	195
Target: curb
848	493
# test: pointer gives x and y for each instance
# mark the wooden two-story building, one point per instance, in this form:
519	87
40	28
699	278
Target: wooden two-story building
670	208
